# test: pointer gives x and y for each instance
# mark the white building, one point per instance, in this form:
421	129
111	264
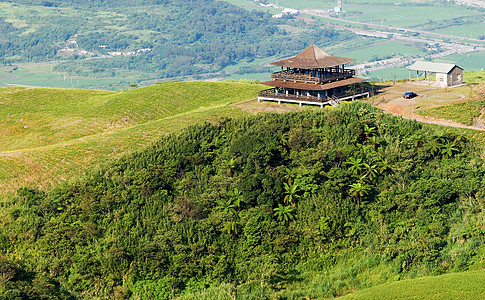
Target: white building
446	74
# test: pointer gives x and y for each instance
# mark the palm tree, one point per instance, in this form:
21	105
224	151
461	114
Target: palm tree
356	164
460	141
418	140
226	206
231	227
289	175
382	165
448	149
284	213
235	196
230	205
434	146
359	190
291	191
371	171
369	130
230	164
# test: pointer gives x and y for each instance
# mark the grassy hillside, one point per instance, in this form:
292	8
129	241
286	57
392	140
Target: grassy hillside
304	205
50	135
469	112
466	285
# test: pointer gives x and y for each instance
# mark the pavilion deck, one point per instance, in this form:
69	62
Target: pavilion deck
273	95
306	78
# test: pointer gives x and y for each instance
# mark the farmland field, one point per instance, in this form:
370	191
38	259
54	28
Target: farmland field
467	30
403	14
406	16
43	75
382	50
388	74
470	61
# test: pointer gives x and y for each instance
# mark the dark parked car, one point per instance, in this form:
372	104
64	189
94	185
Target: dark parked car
409	95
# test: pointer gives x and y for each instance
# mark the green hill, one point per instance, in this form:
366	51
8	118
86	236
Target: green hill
466	285
49	135
313	204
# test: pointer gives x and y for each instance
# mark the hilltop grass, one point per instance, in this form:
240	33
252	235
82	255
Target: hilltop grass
462	112
466	285
41	117
474	77
70	131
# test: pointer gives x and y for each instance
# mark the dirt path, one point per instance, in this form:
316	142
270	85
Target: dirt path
391	101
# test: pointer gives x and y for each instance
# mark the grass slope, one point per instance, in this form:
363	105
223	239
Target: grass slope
469	112
49	135
466	285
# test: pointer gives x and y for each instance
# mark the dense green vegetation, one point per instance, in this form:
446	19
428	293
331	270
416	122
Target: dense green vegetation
310	204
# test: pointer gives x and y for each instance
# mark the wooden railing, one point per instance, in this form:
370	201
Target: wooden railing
333	100
272	93
313	79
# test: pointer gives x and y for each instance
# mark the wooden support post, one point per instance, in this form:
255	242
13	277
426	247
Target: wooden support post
299	104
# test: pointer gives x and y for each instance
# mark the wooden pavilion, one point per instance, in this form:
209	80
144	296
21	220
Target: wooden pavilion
313	77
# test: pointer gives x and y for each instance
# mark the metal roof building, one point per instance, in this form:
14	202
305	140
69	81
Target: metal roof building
446	74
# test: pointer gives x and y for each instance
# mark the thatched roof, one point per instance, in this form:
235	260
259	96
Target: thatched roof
312	86
313	58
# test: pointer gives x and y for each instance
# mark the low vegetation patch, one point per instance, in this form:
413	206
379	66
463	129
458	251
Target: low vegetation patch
466	285
463	112
474	77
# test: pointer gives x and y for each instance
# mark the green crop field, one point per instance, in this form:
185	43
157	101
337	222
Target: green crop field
406	16
42	75
403	14
50	135
466	285
470	61
381	50
468	30
388	74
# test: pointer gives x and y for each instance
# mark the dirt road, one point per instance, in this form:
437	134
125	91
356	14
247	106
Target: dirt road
391	100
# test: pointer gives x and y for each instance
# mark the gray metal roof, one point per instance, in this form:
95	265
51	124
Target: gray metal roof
433	67
312	58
